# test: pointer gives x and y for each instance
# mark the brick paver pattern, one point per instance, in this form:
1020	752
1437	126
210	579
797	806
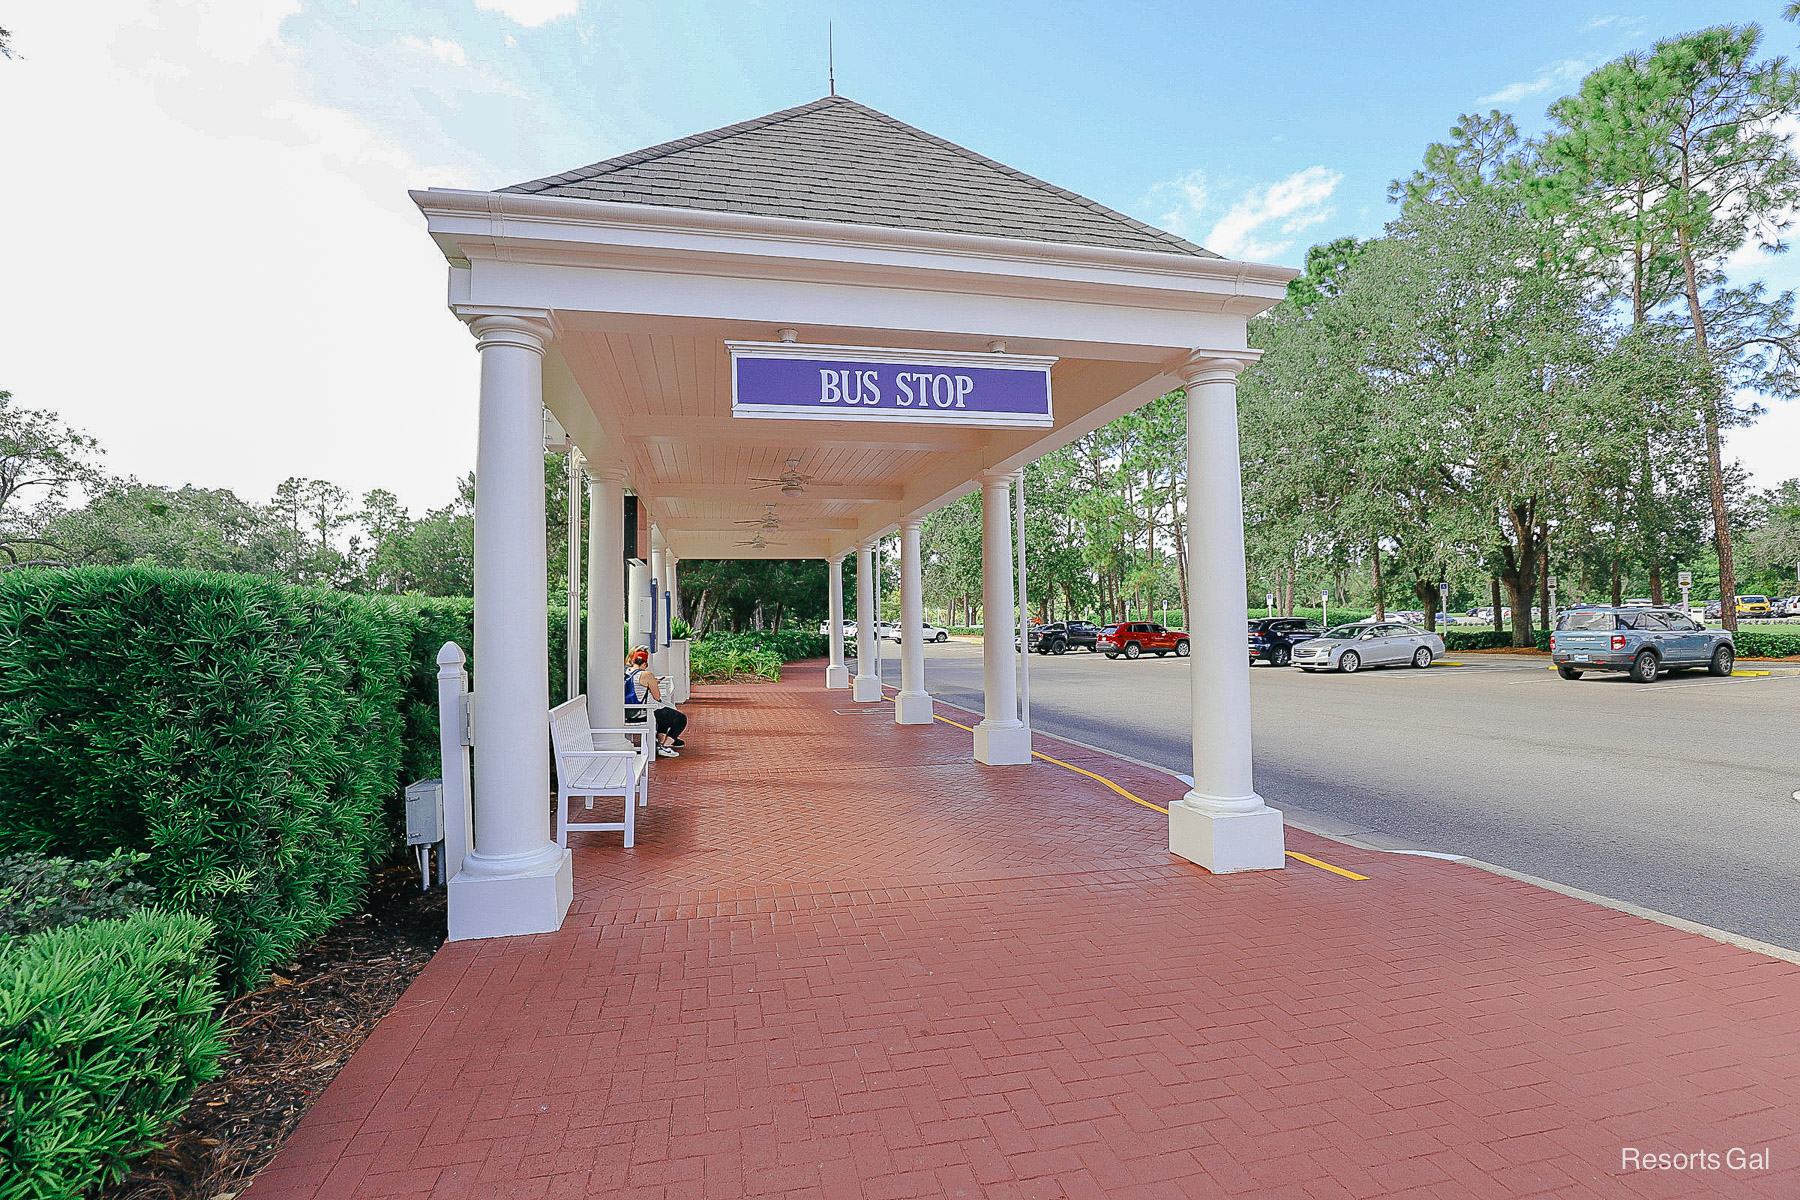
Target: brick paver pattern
845	961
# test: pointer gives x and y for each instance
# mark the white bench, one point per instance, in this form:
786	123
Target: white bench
582	770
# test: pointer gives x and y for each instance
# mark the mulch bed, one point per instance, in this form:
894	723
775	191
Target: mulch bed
288	1040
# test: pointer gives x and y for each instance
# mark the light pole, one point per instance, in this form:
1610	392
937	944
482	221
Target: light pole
1550	617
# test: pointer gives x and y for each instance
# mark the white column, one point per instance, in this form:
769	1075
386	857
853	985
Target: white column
867	685
572	627
637	608
516	879
913	705
1222	824
659	566
606	598
837	675
1001	739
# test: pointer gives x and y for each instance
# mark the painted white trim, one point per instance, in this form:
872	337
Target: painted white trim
901	357
534	218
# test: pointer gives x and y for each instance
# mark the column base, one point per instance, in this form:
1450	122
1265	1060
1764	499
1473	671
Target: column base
913	708
837	677
1228	842
867	689
532	901
1002	745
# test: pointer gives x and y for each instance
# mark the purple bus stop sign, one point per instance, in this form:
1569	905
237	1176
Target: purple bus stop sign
791	382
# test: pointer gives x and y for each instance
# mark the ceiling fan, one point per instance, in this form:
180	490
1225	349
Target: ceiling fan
760	542
767	521
791	481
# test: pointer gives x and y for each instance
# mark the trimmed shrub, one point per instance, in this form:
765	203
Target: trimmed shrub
39	892
712	664
1339	616
106	1028
252	738
1763	642
1489	639
244	734
789	645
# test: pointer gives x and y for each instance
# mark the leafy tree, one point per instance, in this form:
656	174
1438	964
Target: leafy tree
128	521
1691	148
41	459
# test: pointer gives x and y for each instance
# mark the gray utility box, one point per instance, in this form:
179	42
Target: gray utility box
425	812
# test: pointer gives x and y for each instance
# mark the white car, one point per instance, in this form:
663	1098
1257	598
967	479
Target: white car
1349	648
849	629
891	631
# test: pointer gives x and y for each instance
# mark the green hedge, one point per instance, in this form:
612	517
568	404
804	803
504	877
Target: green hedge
724	655
1751	643
1763	642
1489	639
246	735
790	645
251	737
710	664
106	1028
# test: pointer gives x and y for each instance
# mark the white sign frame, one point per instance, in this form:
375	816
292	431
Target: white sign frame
1031	363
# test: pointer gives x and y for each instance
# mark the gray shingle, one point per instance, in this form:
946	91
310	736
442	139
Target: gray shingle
837	160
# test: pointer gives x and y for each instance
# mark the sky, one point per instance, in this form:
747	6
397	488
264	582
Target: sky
211	263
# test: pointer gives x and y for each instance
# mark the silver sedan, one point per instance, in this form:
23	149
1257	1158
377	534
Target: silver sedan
1350	648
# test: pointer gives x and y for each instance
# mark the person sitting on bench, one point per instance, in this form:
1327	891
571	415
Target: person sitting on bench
641	687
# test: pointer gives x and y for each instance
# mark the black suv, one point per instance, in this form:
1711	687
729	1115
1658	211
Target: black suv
1060	637
1274	638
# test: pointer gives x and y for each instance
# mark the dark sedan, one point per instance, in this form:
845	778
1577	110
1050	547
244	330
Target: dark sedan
1273	638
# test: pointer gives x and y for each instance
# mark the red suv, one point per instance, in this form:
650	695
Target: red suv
1135	638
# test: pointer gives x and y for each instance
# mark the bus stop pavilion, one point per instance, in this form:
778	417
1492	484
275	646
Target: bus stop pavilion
622	295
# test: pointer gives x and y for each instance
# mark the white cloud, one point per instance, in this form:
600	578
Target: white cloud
530	13
444	51
222	280
1261	225
1557	74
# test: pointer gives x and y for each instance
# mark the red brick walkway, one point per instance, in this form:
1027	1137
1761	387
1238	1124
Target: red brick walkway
844	961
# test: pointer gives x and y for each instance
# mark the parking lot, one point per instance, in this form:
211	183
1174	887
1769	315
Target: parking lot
1676	795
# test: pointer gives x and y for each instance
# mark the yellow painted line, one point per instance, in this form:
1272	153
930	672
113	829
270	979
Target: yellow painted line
1325	866
1103	779
1305	858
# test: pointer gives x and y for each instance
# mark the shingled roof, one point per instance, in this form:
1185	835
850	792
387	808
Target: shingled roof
837	160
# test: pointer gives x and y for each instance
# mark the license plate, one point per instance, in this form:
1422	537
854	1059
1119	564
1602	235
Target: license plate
1581	658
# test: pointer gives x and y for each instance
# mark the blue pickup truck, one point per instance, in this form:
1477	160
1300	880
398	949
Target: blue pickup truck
1643	641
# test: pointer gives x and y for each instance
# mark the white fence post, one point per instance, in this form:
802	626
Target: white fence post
454	740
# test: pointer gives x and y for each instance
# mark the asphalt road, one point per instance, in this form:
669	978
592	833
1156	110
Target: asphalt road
1677	795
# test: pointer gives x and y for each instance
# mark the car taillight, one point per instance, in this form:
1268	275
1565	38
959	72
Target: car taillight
1618	641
